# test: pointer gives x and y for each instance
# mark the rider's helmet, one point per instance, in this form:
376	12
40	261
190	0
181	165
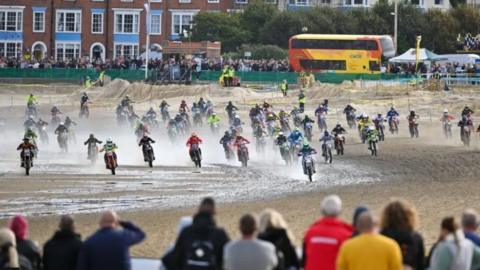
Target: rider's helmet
379	114
91	135
412	112
338	124
296	129
214	114
237	116
392	108
366	116
371	128
183	102
109	140
445	111
30	117
280	133
326	133
227	133
229	103
85	93
306	144
61	123
193	134
126	96
26	139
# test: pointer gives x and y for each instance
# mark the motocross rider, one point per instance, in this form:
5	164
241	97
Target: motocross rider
109	146
295	137
239	140
194	139
29	123
26	146
326	138
92	140
84	99
145	142
225	141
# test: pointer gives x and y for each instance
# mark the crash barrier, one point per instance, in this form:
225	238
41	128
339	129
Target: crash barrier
78	75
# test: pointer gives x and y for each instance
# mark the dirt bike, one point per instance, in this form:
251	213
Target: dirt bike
42	132
31	111
322	121
308	131
172	133
165	114
465	134
92	153
243	154
271	128
55	121
27	161
297	120
148	154
351	119
327	151
413	127
308	163
260	144
285	125
373	144
229	153
393	123
62	139
111	163
286	153
197	119
84	111
339	144
196	155
447	129
380	128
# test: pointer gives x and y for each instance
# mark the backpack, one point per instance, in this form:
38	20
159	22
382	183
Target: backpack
200	256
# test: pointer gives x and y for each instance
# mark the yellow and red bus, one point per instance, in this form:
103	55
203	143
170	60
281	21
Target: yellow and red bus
357	54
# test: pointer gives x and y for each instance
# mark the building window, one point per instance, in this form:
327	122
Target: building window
155	1
126	23
11	49
69	21
185	1
67	51
355	3
97	23
156	24
38	21
271	1
182	22
241	1
439	2
11	20
213	1
126	50
420	2
126	0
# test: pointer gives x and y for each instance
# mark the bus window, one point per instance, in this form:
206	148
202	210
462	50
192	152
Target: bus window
323	64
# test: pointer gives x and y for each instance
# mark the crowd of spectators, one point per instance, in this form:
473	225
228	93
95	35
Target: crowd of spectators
265	243
443	69
270	65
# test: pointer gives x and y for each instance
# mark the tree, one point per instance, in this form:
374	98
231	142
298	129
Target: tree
281	27
223	27
254	17
468	19
439	35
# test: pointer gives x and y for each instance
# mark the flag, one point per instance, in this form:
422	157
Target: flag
148	21
417	52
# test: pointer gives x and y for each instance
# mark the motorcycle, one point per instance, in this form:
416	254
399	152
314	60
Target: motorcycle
92	153
286	153
271	128
380	128
42	132
27	161
260	144
31	111
285	125
55	121
297	120
165	114
215	128
229	152
393	123
413	127
111	163
308	131
351	119
172	133
327	151
308	163
339	144
322	121
373	144
62	140
148	154
197	119
465	133
447	129
196	155
243	154
84	111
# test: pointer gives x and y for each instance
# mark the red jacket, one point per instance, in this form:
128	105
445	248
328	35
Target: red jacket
240	140
193	140
322	243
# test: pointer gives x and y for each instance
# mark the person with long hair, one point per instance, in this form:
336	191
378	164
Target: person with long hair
274	229
399	222
453	251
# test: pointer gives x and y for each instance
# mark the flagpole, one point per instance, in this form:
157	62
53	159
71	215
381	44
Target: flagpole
147	31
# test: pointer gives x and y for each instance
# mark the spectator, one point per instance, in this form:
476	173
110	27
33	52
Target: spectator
249	252
274	229
324	238
399	221
201	243
356	213
8	251
470	226
167	258
453	251
369	250
109	247
61	251
25	247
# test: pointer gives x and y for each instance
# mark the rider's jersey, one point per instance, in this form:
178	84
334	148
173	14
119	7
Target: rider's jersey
338	130
31	100
55	110
145	141
29	123
213	119
447	118
392	113
295	137
305	151
271	117
372	135
326	139
193	140
30	134
412	118
282	115
320	110
84	100
362	123
151	113
240	140
61	129
230	108
26	146
281	139
109	147
93	140
226	139
348	109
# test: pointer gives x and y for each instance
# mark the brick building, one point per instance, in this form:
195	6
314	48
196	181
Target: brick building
65	29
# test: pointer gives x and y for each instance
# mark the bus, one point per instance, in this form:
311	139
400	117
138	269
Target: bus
351	54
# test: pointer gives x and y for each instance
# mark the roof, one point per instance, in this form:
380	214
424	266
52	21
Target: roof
340	37
410	56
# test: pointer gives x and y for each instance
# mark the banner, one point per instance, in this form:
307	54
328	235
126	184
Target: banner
417	52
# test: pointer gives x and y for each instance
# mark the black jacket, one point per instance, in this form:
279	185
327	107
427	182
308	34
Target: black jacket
285	249
61	251
30	250
411	245
203	228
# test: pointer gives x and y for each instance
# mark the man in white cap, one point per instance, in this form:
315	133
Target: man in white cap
323	239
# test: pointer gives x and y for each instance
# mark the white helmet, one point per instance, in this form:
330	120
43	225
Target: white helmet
280	133
109	140
445	111
61	123
237	116
370	128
